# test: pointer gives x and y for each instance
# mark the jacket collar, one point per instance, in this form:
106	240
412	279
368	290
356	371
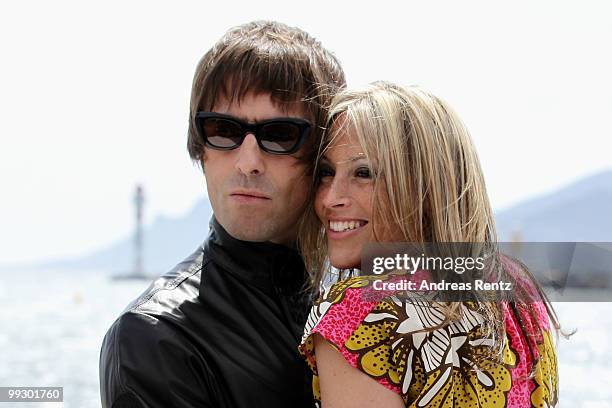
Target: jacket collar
268	266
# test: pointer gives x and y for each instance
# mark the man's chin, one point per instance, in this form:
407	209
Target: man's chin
253	229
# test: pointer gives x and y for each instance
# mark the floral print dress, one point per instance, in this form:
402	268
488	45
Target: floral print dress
437	367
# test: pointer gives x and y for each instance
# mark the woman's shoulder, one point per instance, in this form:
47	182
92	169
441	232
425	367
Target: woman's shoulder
340	308
345	305
339	316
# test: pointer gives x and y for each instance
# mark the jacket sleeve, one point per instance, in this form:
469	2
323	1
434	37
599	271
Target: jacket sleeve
147	363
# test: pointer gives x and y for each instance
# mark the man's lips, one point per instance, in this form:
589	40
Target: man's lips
248	196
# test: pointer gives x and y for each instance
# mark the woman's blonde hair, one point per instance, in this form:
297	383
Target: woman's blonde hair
428	184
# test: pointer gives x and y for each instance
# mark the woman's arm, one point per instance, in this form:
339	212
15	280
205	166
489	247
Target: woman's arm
343	386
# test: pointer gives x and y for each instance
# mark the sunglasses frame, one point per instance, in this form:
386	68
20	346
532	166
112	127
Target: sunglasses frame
254	128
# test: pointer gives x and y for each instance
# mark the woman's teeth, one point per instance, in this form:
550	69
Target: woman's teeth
340	226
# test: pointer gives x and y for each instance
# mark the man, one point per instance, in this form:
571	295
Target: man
222	328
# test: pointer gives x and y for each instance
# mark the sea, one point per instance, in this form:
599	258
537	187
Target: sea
52	324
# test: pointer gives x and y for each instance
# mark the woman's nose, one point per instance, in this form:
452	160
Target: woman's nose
337	194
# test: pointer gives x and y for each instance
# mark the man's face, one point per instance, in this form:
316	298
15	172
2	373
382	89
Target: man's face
256	196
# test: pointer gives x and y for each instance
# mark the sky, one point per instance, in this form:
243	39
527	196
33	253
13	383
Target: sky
94	98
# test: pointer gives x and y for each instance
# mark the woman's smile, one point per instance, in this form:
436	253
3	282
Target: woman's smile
341	228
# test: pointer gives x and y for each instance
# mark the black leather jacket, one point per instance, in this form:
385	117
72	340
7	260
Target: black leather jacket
219	330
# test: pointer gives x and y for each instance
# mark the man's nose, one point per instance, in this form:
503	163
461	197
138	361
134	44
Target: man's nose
250	157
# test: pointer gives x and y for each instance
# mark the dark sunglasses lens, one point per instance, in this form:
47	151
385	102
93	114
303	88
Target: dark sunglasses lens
280	137
222	133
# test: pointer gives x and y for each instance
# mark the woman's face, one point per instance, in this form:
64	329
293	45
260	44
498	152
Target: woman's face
344	199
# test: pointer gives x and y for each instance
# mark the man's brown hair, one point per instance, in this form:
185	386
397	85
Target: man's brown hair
267	57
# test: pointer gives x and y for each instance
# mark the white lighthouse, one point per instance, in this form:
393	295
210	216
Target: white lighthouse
138	270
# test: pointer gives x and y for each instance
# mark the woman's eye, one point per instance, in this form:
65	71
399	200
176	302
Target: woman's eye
325	171
363	172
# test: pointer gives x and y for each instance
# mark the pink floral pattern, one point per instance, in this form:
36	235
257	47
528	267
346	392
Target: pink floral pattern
438	367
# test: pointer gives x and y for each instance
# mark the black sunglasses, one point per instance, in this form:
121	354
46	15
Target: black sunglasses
276	136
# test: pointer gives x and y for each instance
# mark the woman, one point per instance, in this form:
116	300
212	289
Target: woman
397	165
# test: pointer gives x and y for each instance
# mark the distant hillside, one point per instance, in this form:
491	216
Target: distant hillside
167	241
581	211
